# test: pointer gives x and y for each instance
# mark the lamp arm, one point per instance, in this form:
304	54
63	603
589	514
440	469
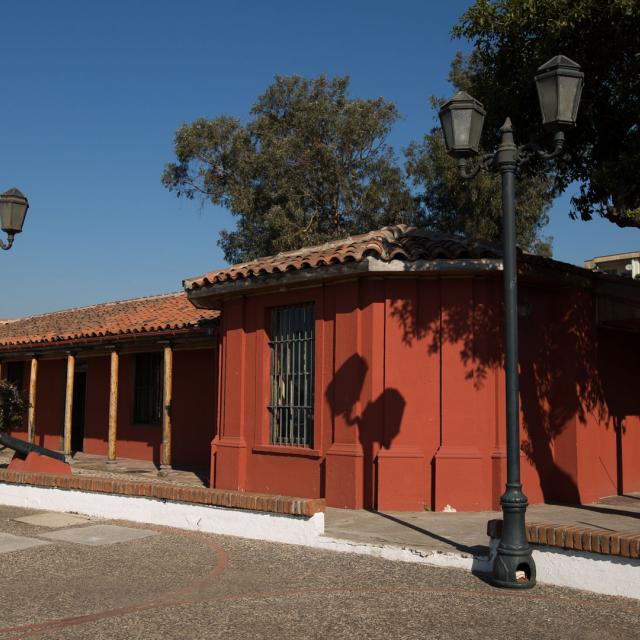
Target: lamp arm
485	163
9	242
528	151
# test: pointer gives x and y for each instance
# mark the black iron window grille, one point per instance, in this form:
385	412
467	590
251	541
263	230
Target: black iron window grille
292	339
147	404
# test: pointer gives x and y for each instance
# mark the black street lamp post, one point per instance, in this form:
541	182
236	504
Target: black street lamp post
13	210
559	83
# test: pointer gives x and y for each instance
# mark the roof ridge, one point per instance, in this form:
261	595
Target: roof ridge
400	227
92	306
397	241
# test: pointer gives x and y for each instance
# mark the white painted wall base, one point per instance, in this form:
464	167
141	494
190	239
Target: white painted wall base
258	525
608	575
611	575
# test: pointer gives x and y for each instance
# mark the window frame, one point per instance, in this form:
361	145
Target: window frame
258	312
152	421
291	421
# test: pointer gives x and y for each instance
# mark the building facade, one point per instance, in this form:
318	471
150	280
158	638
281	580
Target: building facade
118	379
367	371
626	265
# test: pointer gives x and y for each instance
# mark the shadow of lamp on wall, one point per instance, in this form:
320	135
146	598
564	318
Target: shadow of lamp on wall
13	210
559	83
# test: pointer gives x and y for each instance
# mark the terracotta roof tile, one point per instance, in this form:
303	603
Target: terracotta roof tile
141	315
399	242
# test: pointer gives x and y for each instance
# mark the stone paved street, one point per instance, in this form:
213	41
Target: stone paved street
178	584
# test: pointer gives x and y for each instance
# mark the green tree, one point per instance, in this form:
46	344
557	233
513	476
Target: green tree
473	208
12	405
312	164
511	38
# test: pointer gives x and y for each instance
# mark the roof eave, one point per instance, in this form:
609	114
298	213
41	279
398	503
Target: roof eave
211	296
185	333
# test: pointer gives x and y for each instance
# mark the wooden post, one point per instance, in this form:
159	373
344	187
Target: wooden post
113	407
33	380
165	459
68	402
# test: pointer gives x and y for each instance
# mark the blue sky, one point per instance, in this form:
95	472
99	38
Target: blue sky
94	91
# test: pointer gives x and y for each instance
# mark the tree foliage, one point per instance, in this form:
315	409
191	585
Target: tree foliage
473	208
12	405
311	165
511	38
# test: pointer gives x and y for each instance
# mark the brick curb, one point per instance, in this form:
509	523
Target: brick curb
285	505
611	543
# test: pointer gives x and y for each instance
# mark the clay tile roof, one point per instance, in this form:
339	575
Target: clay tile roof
138	316
398	242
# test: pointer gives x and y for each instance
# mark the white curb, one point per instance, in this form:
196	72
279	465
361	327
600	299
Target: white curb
610	575
272	527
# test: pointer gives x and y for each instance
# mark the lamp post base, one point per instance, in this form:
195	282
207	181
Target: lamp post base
514	569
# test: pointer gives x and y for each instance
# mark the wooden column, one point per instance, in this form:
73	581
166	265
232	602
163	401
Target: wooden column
167	391
113	406
68	402
33	380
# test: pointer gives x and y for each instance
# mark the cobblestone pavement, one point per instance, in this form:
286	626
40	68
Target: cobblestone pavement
178	584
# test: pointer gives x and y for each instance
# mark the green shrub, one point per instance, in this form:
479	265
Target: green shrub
12	405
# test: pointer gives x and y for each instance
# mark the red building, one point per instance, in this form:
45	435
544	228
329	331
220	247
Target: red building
118	379
369	371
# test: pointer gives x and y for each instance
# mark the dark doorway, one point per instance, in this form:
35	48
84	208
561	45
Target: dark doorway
77	415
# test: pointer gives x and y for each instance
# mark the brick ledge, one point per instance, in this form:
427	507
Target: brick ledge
285	505
611	543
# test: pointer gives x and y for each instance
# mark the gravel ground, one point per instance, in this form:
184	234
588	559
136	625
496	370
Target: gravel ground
187	585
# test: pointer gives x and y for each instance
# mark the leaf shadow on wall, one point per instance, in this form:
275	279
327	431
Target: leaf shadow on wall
620	367
378	423
563	384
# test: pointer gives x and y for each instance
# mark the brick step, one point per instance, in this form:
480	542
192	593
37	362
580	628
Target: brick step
286	505
612	543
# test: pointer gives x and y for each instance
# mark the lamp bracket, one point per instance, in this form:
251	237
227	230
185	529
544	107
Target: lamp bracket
486	162
528	151
9	242
525	153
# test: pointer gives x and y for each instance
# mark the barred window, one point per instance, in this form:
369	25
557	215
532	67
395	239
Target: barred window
292	339
147	400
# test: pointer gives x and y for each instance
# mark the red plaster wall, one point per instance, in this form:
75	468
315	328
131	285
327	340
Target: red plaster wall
267	468
96	419
49	417
410	397
377	397
611	454
194	409
138	441
141	442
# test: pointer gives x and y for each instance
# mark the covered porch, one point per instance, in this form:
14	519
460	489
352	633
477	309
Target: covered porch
130	380
91	465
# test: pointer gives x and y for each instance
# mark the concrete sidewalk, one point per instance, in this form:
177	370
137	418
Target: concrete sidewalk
466	533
